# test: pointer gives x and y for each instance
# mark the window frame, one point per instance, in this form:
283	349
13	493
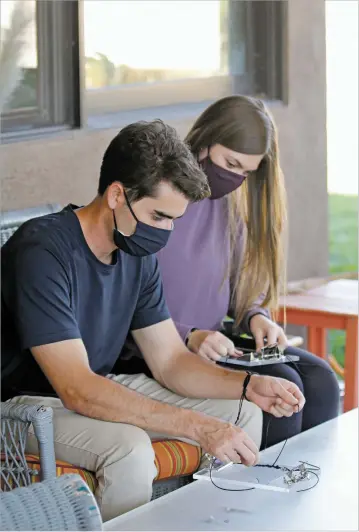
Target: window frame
64	102
267	49
265	35
58	77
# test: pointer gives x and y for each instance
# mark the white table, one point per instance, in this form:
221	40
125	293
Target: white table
331	505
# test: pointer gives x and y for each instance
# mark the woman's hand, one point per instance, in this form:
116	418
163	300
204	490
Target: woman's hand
211	345
274	395
262	327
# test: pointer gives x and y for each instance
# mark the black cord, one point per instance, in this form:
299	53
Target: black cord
243	396
311	487
282	449
278	467
269	466
274	466
225	489
245	384
267	434
239	409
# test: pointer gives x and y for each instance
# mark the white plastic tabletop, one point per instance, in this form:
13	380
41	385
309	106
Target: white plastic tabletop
331	505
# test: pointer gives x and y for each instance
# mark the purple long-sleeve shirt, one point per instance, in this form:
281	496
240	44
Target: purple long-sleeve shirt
194	267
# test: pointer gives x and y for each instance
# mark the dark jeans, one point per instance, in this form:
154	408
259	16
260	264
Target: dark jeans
318	383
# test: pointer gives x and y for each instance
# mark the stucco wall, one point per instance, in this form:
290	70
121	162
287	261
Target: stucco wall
65	168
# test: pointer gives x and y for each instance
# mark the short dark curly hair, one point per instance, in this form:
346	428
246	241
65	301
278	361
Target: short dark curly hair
144	154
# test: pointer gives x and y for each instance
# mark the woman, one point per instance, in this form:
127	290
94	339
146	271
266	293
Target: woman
225	256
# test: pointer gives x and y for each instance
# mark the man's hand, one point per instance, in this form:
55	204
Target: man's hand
262	327
277	396
227	442
211	345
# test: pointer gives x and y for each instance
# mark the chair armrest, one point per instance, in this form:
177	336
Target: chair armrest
26	413
16	218
41	419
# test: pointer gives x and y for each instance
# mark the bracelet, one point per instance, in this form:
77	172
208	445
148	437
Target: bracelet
188	335
243	396
245	384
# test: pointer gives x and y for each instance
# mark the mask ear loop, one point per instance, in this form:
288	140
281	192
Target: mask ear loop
208	149
114	219
130	208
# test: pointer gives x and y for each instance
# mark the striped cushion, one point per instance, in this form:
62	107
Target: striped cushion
175	458
62	468
172	458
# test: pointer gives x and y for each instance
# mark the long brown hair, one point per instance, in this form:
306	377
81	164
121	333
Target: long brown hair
243	124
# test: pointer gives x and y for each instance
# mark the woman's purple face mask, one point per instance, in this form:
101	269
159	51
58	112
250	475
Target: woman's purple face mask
226	170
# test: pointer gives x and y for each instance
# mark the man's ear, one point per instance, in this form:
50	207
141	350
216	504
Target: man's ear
115	195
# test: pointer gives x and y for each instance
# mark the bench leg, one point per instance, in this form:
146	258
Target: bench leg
351	365
317	341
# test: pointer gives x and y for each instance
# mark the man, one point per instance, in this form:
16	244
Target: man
76	282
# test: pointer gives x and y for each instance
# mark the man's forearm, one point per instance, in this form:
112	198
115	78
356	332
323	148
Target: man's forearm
101	398
192	376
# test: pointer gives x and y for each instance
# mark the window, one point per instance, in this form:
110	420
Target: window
38	78
112	58
24	95
146	53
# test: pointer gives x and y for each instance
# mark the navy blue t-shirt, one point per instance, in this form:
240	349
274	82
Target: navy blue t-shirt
54	288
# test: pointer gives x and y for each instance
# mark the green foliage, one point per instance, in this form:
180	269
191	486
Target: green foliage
343	252
343	233
25	94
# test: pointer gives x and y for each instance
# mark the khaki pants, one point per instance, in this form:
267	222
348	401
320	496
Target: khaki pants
121	455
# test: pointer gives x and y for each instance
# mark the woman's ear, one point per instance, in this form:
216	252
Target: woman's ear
202	154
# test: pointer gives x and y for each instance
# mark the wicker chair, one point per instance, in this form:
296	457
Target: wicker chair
63	503
15	422
16	419
10	221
